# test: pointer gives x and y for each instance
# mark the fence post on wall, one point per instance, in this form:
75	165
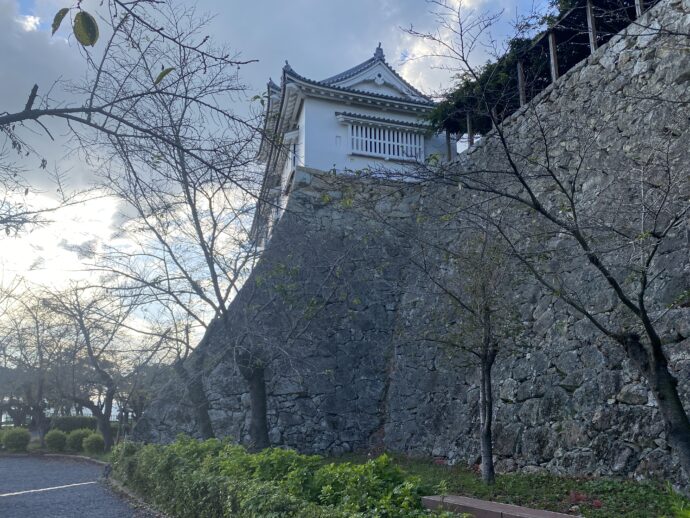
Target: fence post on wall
450	156
470	131
521	82
592	26
553	56
639	7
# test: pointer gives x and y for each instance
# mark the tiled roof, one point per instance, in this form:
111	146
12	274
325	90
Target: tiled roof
384	120
350	72
424	102
378	57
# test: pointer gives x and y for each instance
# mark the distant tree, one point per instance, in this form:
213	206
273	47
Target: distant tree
89	370
140	386
31	337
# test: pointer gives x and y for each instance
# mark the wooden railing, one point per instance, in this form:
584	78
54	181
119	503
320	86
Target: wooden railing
386	143
570	40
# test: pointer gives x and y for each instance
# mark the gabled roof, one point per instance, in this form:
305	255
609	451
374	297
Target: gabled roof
349	72
378	58
424	101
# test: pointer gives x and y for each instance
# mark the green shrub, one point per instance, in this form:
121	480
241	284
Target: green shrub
94	444
69	423
16	440
56	440
2	433
190	478
76	437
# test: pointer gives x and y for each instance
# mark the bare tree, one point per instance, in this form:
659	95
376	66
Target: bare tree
187	248
32	337
96	349
186	243
477	306
123	70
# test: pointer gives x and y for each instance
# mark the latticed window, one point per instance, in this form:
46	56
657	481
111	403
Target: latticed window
384	142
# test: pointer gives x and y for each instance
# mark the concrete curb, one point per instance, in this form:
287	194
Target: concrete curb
56	455
79	457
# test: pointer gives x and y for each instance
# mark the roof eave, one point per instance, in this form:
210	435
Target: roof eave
358	94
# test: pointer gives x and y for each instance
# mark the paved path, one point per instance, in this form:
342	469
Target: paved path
35	487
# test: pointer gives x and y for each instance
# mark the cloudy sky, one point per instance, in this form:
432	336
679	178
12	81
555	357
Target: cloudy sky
318	37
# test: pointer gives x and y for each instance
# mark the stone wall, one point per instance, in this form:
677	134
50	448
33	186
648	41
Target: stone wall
319	309
571	403
339	312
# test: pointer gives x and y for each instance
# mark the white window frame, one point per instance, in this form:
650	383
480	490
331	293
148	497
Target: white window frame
386	140
382	141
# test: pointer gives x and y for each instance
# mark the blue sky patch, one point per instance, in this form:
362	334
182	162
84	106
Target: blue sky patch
26	6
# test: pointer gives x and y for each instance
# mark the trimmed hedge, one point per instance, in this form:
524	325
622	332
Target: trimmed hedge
76	437
94	444
69	423
190	478
16	440
56	440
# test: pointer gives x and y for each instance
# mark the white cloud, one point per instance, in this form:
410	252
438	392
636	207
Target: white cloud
60	251
29	22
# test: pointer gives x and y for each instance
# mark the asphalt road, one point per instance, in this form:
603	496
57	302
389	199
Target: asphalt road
35	487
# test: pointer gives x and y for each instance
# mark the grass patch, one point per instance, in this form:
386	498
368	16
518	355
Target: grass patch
595	497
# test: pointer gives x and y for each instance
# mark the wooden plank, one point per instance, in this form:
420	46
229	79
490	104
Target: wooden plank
553	56
448	154
484	509
591	26
521	82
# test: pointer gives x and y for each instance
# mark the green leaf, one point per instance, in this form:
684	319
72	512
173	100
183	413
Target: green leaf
58	18
162	75
85	29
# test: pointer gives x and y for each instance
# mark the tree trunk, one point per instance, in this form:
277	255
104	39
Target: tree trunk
675	418
104	422
486	401
105	430
197	396
665	389
42	425
258	421
486	419
653	365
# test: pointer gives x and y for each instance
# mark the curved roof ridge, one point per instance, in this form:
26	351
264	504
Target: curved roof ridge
424	101
378	57
350	71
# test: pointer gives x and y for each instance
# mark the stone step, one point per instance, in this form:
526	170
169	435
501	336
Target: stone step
483	509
